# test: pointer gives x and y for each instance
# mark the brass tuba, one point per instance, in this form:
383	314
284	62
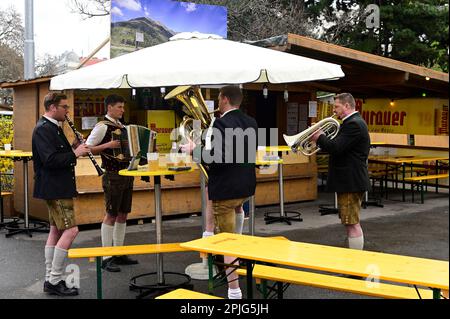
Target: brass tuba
302	141
192	98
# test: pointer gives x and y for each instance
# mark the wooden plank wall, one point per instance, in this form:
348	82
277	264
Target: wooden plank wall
182	196
28	106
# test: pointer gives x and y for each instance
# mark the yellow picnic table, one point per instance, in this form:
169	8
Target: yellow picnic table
403	161
390	267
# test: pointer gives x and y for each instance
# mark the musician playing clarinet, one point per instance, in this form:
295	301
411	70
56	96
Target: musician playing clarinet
54	161
118	189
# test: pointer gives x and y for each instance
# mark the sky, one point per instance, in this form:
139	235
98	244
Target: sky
177	16
56	29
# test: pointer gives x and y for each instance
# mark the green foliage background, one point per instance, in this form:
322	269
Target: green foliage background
6	165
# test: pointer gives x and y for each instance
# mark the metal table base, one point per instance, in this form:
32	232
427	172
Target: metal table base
282	215
15	228
171	282
160	280
326	210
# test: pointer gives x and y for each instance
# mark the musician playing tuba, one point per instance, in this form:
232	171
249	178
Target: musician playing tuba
118	189
231	182
347	172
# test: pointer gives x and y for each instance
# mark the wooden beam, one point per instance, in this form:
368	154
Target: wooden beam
93	52
379	79
6	85
428	85
339	51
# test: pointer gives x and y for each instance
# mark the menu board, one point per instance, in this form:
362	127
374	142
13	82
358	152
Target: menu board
292	119
302	117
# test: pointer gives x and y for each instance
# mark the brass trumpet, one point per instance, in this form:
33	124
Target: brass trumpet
302	141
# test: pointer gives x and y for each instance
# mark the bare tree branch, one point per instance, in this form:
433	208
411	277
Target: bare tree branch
90	8
11	30
259	19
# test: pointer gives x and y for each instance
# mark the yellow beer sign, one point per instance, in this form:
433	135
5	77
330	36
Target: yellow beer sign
407	116
162	122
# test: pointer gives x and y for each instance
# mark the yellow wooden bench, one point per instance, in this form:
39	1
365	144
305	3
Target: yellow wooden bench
181	293
419	180
99	252
297	277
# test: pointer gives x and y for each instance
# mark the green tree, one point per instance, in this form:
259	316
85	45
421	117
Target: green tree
411	31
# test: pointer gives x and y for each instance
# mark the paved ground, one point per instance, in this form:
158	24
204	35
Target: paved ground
401	228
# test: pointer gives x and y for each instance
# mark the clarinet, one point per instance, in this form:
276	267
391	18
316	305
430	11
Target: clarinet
78	135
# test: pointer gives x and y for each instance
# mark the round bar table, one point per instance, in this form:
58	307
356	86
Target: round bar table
161	284
13	228
282	215
260	164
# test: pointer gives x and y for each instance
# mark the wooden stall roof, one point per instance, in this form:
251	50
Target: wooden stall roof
369	75
13	84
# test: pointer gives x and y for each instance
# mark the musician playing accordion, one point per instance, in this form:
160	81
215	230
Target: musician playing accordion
118	189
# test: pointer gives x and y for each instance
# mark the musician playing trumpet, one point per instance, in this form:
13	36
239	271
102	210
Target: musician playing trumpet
118	189
54	161
347	171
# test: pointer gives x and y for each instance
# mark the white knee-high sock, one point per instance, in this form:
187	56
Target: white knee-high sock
119	233
49	252
57	271
239	222
207	234
356	242
107	236
234	293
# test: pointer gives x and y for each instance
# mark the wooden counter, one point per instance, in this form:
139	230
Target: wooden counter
182	196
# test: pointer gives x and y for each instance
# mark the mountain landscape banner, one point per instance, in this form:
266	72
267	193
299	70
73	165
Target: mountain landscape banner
137	24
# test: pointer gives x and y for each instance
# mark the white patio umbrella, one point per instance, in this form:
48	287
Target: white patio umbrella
197	59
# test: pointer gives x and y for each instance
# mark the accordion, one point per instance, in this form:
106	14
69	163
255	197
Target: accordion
135	142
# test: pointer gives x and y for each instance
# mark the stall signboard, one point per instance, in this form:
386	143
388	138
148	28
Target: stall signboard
441	120
140	24
163	122
424	116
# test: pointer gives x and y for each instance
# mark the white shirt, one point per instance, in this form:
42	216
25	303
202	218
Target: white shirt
209	132
52	120
229	112
208	136
349	115
99	132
